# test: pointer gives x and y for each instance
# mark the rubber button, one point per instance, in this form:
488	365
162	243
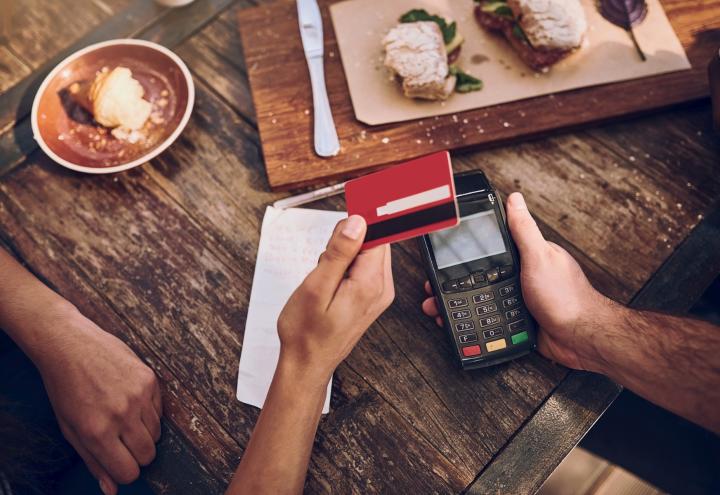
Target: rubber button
496	345
519	338
472	350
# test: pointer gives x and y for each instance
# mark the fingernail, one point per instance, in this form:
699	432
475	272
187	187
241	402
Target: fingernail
104	487
353	227
519	202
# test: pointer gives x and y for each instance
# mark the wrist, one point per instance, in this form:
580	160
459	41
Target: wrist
45	332
601	328
304	373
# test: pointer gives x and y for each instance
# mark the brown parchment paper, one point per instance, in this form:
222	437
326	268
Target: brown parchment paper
607	55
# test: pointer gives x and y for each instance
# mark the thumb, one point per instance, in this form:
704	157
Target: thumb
524	230
341	250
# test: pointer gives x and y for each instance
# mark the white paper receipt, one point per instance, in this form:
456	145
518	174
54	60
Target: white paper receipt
291	242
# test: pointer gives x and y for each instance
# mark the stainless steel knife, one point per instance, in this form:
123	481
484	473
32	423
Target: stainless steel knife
311	32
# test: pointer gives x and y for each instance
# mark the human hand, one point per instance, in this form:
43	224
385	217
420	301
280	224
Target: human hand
106	400
326	316
570	313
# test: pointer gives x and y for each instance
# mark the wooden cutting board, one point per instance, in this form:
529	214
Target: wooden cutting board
283	101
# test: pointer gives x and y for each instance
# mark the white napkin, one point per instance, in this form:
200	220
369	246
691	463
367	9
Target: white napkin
291	242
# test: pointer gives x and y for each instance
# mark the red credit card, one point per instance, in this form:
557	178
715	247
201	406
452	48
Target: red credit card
406	200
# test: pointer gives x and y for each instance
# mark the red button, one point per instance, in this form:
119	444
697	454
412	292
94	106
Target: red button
472	350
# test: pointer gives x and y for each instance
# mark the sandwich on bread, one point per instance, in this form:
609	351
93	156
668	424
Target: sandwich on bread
542	32
418	52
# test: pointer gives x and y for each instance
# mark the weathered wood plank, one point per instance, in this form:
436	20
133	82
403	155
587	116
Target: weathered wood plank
215	55
156	268
168	251
603	191
232	206
218	199
178	24
685	276
176	470
410	398
12	69
41	28
15	144
365	446
112	6
550	434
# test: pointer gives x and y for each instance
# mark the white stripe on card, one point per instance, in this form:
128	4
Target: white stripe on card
413	201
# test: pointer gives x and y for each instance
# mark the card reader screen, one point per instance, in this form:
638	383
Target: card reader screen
477	236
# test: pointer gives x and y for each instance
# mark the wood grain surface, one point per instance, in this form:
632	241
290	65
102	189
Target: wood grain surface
163	256
281	91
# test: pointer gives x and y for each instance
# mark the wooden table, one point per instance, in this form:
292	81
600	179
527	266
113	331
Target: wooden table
163	257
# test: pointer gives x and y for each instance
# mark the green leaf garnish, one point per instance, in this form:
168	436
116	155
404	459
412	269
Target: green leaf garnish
518	32
464	83
504	11
415	15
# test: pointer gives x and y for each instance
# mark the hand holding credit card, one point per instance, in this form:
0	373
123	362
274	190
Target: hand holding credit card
405	201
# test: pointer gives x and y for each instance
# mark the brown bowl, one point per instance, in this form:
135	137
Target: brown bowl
70	136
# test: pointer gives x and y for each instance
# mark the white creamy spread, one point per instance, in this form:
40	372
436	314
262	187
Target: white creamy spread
552	24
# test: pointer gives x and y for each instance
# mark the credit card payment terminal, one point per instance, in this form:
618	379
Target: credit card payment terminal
474	271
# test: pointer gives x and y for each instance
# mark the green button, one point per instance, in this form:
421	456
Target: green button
519	338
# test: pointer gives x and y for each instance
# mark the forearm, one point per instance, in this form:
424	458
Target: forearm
671	361
29	310
276	458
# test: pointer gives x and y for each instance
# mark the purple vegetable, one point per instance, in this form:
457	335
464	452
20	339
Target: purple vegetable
625	14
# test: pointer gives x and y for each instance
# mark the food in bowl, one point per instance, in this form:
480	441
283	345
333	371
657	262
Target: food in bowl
115	100
63	120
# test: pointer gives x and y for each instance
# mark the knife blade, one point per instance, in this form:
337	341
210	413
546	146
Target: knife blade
311	33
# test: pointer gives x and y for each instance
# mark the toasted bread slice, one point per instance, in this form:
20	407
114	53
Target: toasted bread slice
415	53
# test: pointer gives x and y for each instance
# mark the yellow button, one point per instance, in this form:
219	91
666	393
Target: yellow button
496	345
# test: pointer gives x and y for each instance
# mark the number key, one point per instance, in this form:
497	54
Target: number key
486	308
484	297
489	320
457	315
507	290
513	313
493	332
511	301
464	326
457	303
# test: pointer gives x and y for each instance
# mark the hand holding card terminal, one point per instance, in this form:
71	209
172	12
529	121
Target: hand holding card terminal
474	271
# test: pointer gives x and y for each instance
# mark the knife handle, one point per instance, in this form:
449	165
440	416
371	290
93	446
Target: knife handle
326	139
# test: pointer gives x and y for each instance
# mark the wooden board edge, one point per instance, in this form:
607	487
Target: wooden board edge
530	456
688	271
278	186
175	455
